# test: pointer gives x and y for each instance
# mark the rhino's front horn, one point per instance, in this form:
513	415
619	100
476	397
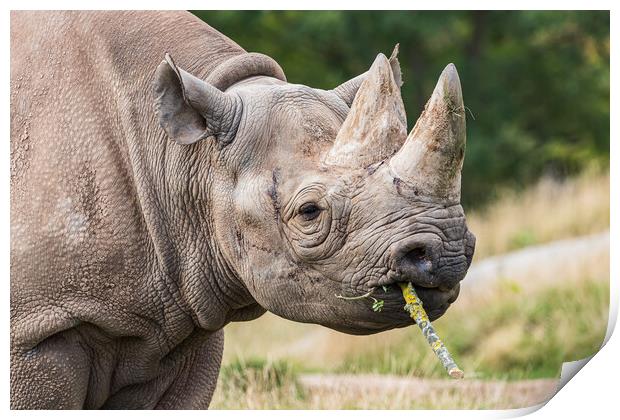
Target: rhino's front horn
432	157
376	125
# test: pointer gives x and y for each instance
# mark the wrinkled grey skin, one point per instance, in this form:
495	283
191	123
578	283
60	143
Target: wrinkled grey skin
130	252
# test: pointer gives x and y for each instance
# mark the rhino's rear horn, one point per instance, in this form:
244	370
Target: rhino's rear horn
347	90
190	109
376	125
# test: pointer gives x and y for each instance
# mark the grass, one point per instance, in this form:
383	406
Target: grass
258	383
549	211
518	336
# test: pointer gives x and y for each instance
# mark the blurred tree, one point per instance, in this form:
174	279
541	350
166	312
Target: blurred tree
536	82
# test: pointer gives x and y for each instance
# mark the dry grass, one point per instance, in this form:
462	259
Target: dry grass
549	211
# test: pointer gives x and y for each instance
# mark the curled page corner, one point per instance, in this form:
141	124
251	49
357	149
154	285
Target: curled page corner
569	370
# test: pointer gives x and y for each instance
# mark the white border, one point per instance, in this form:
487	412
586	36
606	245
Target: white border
591	393
314	5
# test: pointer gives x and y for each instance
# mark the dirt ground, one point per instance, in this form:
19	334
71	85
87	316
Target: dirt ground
371	391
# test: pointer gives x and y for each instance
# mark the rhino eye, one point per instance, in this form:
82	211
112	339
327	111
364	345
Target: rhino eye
309	211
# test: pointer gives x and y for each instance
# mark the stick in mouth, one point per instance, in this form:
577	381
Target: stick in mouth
418	314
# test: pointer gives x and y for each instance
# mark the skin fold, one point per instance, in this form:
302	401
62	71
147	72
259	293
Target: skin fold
153	202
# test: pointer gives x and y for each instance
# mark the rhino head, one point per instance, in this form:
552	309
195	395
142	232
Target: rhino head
312	194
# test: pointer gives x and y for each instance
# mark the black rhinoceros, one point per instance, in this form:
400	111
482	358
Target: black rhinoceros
152	203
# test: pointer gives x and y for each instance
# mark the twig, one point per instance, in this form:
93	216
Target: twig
471	113
377	305
417	313
364	296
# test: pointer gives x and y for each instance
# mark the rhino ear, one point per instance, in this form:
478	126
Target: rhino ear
348	89
190	109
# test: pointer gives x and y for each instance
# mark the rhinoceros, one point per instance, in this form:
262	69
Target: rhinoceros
165	182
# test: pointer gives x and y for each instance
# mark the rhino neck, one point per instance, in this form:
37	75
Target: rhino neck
210	288
173	183
188	252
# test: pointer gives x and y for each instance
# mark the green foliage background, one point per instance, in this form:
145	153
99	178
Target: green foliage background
536	82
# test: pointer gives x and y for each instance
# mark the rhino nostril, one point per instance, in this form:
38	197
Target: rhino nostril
417	258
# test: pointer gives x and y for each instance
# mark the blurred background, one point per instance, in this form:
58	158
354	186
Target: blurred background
535	191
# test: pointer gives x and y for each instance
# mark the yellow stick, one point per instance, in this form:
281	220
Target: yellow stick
417	313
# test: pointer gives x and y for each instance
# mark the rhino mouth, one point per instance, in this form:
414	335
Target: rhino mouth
435	300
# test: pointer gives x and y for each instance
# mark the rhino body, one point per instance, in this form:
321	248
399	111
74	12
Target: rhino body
130	252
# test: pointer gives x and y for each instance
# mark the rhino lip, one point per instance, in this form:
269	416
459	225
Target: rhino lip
394	277
388	288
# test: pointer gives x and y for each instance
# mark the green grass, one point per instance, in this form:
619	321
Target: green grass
249	383
261	374
522	239
519	336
